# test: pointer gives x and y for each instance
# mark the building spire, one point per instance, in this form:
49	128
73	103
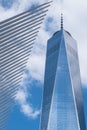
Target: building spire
61	21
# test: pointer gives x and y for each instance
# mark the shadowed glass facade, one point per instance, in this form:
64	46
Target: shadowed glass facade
62	107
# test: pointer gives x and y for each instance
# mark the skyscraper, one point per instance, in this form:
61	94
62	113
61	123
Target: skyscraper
62	106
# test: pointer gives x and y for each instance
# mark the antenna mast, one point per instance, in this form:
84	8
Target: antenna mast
61	14
61	21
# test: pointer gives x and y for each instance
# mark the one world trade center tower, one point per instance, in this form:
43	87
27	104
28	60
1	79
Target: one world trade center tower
62	106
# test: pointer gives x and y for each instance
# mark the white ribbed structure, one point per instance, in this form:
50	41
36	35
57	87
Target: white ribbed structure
17	36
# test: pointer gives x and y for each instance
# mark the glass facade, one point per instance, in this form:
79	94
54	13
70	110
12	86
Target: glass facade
62	107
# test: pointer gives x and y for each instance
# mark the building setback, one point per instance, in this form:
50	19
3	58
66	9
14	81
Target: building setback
62	105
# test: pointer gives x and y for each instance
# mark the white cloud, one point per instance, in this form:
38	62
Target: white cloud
26	108
36	68
28	111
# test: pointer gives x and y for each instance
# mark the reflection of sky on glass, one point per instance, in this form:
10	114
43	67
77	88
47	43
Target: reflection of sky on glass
60	96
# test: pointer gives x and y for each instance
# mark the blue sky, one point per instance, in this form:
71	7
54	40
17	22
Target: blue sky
19	121
25	114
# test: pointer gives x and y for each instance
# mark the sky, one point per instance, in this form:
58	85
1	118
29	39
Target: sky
25	114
